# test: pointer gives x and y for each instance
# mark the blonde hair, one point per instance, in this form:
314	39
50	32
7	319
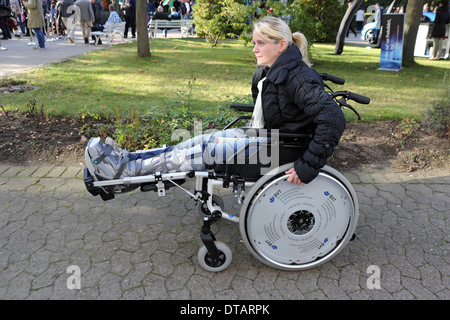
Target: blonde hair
273	29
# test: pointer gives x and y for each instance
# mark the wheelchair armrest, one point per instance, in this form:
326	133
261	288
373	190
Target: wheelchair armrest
294	135
242	107
252	132
228	126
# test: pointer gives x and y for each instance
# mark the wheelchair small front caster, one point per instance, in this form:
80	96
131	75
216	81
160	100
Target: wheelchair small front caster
224	260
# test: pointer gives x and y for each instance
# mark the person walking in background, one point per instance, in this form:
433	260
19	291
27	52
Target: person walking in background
377	20
86	18
17	9
360	19
5	13
97	8
36	20
151	8
129	9
69	18
187	14
438	31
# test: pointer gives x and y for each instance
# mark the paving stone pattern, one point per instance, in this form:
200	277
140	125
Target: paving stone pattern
140	246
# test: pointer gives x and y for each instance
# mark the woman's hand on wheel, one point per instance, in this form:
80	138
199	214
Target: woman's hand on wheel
293	178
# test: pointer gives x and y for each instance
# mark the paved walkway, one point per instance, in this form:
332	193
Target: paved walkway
139	246
19	56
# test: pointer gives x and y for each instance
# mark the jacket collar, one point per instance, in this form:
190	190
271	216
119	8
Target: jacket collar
287	61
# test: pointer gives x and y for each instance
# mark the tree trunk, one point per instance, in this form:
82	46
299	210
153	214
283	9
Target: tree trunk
345	24
412	22
143	45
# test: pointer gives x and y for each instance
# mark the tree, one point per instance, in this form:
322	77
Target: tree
412	22
318	19
220	19
143	46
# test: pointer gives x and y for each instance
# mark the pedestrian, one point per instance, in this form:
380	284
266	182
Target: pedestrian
438	31
17	9
151	8
97	8
378	15
129	9
360	19
86	18
187	15
69	18
36	20
5	13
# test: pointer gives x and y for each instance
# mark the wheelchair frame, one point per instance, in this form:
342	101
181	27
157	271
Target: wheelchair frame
215	255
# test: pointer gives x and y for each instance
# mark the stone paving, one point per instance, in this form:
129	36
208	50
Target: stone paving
140	246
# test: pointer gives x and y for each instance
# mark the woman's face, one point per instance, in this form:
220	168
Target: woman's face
267	52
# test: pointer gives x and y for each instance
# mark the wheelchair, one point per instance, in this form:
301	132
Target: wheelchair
284	225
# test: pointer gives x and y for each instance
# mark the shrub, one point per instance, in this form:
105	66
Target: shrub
437	117
221	19
166	125
319	20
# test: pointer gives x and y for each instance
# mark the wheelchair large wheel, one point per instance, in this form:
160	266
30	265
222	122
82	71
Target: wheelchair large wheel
294	227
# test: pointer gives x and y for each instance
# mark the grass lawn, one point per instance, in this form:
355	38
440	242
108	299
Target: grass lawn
189	72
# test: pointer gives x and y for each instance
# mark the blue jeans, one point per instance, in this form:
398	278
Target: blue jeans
205	151
40	36
22	25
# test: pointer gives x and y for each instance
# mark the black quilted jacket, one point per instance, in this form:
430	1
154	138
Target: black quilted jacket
294	99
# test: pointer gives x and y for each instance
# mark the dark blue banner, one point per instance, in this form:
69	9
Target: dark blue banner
392	42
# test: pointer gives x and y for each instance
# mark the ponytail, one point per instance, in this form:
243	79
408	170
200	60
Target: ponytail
300	41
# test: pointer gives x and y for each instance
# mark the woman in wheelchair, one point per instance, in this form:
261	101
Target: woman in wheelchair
289	96
296	122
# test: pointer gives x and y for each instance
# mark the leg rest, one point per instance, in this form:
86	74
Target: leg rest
95	191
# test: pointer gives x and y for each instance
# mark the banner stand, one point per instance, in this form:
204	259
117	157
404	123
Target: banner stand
392	42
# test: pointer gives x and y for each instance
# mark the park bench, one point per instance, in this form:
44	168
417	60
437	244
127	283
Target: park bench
109	31
183	25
